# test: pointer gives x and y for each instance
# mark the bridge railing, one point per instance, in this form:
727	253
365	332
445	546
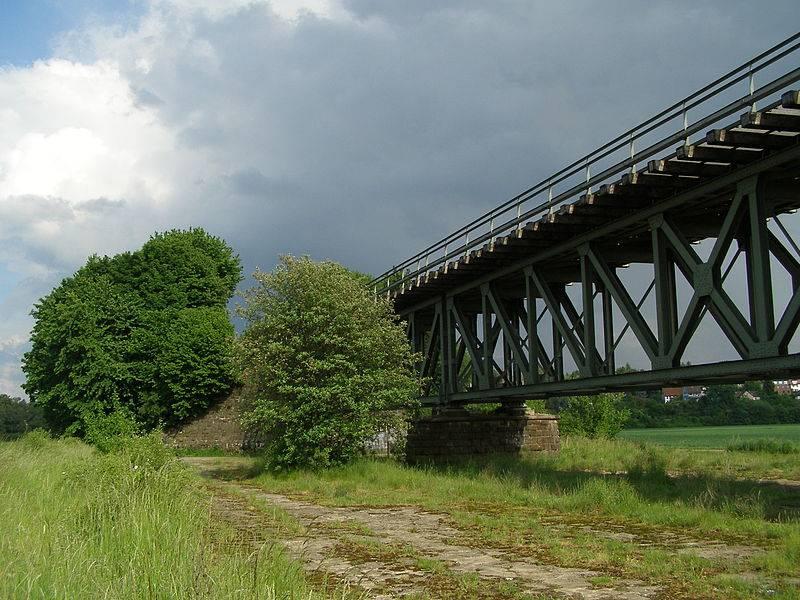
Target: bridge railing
717	101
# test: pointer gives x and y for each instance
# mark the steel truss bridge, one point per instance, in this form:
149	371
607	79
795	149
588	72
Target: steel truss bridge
630	250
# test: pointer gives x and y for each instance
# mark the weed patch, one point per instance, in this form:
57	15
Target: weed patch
768	446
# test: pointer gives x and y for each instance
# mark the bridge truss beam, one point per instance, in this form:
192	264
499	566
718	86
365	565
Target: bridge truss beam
517	332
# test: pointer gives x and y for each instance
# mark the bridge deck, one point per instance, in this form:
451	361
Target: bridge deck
696	182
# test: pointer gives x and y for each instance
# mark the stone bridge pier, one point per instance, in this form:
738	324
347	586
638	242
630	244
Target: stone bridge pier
457	432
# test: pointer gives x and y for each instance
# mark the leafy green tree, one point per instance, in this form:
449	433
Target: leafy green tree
718	404
146	332
194	359
324	363
18	416
108	432
195	270
593	416
81	349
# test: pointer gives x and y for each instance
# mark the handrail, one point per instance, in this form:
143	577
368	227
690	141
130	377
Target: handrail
472	234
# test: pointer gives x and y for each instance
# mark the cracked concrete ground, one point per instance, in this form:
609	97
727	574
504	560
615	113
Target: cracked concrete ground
433	538
397	551
386	538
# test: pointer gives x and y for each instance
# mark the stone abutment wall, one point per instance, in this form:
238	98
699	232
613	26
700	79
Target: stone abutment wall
454	434
219	427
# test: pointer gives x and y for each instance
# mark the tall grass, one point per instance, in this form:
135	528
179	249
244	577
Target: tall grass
768	446
132	524
599	477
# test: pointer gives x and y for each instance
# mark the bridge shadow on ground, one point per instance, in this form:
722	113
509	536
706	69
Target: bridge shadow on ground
645	480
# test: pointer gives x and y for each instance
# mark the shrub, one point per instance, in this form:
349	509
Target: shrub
648	462
109	432
36	439
538	406
593	416
146	451
325	363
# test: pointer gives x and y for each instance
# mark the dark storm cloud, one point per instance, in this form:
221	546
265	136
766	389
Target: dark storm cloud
391	130
252	182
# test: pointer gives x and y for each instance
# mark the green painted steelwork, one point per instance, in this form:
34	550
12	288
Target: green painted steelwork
498	323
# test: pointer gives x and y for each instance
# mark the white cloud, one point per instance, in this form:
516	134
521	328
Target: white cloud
83	166
74	131
11	349
286	9
10	381
14	341
83	169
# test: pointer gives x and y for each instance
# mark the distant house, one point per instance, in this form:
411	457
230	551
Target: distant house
790	387
689	392
693	392
787	386
748	395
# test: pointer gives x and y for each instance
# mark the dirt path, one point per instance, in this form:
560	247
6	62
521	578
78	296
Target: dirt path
390	552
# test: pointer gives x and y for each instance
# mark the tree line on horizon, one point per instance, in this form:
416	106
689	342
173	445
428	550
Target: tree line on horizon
722	404
18	417
719	405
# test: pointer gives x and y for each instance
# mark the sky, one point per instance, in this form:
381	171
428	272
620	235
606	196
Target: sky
355	130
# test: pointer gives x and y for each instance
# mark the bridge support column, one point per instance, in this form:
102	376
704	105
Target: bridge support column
459	433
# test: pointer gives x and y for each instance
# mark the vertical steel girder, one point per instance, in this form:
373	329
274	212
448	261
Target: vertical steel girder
494	338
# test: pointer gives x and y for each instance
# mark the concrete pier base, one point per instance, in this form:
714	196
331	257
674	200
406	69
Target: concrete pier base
456	432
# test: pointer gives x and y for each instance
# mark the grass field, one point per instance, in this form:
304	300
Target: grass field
712	437
135	524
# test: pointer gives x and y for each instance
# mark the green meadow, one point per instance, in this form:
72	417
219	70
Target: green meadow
713	437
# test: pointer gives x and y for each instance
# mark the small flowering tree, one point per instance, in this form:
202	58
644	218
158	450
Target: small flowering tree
325	363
